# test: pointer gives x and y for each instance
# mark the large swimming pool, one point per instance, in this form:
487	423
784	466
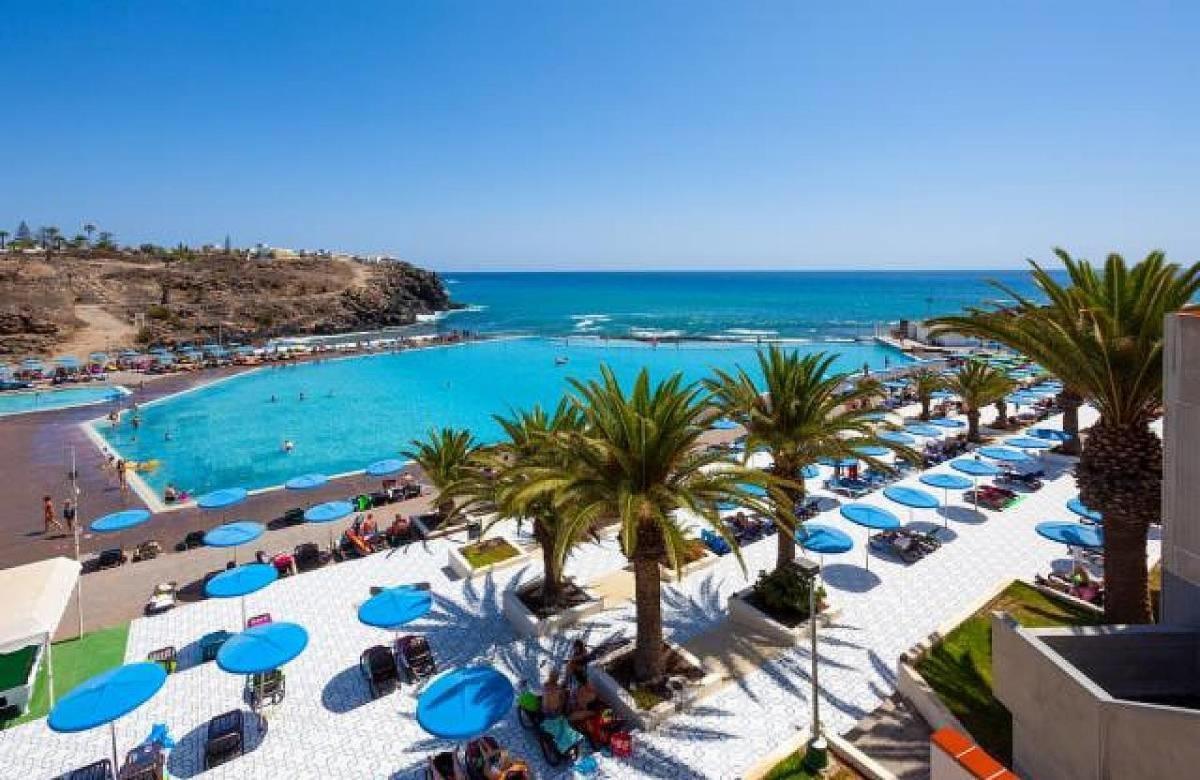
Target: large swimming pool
22	401
343	414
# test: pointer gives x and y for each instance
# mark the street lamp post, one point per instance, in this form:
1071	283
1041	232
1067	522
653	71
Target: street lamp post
817	755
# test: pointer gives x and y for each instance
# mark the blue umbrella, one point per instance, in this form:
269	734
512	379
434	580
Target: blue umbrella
976	468
382	468
1029	443
106	697
1020	399
895	437
871	517
941	395
328	512
875	416
723	424
928	431
464	703
1003	454
1071	534
822	539
395	607
120	521
1051	434
306	482
810	472
911	497
234	534
1081	509
839	463
872	451
240	582
946	422
220	499
946	482
262	648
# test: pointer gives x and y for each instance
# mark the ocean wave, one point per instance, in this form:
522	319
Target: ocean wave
751	332
586	322
654	333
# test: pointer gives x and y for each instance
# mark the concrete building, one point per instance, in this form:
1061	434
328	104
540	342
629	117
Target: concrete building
1122	701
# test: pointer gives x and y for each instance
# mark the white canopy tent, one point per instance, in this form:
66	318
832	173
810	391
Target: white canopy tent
35	597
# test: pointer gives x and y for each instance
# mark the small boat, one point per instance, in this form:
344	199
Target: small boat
560	360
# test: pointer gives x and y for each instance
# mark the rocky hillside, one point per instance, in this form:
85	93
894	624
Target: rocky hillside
77	304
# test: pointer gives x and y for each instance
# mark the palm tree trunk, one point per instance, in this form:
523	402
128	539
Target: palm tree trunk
973	425
925	408
648	660
1070	401
551	576
785	516
1120	474
1001	414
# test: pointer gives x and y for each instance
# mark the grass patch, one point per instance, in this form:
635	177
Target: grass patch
74	661
959	668
792	768
487	552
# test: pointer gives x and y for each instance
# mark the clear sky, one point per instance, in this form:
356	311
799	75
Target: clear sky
603	133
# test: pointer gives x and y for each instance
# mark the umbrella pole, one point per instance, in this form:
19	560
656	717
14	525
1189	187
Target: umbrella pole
243	626
50	666
112	731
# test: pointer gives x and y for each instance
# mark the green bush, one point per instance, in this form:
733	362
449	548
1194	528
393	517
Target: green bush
159	313
785	590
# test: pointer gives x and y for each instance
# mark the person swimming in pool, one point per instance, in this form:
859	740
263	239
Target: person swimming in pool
288	446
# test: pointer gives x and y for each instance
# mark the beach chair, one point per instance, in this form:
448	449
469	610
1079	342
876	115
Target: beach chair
416	658
378	665
110	558
266	688
714	542
308	556
293	516
164	597
144	762
100	770
166	657
899	544
444	766
211	643
225	740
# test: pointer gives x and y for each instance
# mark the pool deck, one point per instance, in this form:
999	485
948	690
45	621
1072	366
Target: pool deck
329	727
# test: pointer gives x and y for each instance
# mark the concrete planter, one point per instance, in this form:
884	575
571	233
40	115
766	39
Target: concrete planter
463	568
624	705
743	613
527	624
708	559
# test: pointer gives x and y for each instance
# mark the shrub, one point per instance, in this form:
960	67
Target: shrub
785	590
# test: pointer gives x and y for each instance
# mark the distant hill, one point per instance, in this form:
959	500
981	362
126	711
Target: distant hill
84	302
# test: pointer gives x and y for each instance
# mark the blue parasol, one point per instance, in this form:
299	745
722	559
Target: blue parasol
1003	454
871	517
946	422
120	521
976	468
1029	443
220	499
872	451
328	512
306	482
1079	508
106	697
395	607
896	437
262	648
946	482
810	472
382	468
823	539
1071	534
941	395
723	424
234	534
464	703
241	580
1051	434
911	497
843	463
928	431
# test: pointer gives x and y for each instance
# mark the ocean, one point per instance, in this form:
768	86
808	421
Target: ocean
726	305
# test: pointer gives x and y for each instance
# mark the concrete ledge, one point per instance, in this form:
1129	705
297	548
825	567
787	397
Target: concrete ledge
463	568
622	702
527	624
709	559
743	613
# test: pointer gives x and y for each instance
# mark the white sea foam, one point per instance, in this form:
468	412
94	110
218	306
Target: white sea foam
654	333
751	332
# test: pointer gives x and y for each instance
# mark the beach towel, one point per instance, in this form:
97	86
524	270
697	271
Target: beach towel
564	736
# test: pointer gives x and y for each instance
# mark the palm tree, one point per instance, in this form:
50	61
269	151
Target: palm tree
533	440
638	462
978	385
926	382
446	456
804	413
1102	336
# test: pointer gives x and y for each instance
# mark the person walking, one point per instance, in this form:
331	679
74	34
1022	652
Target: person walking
122	479
48	518
68	513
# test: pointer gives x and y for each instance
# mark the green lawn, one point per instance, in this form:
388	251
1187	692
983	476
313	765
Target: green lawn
75	661
792	768
959	668
487	552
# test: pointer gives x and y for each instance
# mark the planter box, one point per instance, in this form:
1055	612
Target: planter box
743	613
463	568
708	559
527	624
622	702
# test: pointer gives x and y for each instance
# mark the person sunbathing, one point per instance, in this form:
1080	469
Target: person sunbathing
400	531
583	705
554	697
577	662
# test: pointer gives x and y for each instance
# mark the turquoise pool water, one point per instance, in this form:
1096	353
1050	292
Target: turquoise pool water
357	410
22	401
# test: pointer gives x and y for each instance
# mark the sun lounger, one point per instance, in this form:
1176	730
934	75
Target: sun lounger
715	542
445	766
166	657
225	741
415	657
308	556
164	597
378	665
847	487
144	762
100	770
211	643
266	688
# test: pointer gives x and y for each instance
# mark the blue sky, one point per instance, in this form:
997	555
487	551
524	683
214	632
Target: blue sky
574	134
